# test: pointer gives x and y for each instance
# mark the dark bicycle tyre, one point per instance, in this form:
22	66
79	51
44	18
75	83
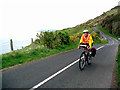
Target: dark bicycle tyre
82	61
89	58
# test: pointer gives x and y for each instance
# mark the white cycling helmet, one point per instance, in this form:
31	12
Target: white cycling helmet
85	31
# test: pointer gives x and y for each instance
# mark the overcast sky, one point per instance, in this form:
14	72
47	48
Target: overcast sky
21	18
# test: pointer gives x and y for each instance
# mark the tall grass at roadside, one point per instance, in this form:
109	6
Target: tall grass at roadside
99	42
106	32
118	58
19	57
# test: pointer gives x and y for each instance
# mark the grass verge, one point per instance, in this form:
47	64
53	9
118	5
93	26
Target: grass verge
19	57
106	32
103	42
118	58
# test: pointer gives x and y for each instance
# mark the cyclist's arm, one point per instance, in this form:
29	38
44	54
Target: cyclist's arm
90	41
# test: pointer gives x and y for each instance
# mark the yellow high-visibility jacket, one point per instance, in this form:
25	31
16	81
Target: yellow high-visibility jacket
86	40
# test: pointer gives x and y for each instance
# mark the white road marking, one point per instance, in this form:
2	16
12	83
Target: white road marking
60	71
46	80
99	47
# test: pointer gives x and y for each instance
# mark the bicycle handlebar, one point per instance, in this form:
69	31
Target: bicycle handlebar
83	45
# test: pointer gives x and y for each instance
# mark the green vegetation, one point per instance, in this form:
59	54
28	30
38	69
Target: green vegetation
99	42
106	32
20	57
77	29
53	39
99	19
118	58
109	20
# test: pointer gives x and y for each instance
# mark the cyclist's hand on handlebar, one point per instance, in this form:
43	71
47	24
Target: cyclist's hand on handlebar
78	47
87	47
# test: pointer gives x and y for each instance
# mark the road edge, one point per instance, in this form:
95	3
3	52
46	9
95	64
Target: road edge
34	60
114	77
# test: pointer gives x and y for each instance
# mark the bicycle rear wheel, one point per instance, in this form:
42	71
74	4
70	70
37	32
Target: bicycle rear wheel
82	61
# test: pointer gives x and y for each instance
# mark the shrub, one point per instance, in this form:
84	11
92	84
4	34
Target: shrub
79	35
37	41
96	36
53	39
73	39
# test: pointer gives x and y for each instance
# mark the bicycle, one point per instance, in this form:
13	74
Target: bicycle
85	57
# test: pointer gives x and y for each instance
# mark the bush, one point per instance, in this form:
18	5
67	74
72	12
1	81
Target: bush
37	41
53	39
96	36
79	35
73	39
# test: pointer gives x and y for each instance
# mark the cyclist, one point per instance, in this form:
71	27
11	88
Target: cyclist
86	39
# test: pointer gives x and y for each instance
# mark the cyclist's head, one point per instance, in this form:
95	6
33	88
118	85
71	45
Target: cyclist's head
85	32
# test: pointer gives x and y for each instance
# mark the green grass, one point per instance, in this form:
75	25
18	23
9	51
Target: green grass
74	30
103	42
111	11
106	32
118	58
19	57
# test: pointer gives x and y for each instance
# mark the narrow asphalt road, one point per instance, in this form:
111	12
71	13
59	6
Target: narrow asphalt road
96	75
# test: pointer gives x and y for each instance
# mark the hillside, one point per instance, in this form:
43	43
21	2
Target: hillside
109	20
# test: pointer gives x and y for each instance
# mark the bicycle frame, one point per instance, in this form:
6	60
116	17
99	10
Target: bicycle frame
85	57
84	48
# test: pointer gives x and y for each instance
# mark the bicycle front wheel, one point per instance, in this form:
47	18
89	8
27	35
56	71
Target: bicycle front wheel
82	61
89	58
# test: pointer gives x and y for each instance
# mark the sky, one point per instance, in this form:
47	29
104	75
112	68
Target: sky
21	19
